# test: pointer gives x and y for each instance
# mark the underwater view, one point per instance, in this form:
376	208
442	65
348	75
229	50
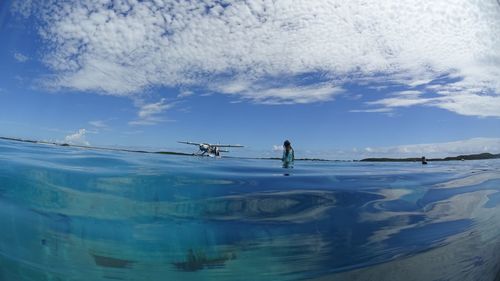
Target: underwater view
80	214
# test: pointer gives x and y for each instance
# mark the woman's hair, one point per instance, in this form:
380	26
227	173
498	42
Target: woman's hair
287	144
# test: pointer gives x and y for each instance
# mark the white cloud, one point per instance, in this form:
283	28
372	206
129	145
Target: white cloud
464	102
77	138
20	57
285	94
277	148
126	47
402	99
185	93
150	109
98	124
23	7
471	104
149	113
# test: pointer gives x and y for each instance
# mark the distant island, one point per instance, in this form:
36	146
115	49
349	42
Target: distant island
480	156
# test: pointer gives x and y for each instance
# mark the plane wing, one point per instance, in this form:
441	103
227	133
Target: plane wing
188	142
226	145
212	145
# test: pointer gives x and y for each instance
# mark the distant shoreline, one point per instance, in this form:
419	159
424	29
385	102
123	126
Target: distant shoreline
479	156
98	148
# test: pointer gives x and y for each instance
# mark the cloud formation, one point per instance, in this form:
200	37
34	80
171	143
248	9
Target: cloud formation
98	124
77	138
125	47
464	102
277	148
279	94
185	93
20	57
150	113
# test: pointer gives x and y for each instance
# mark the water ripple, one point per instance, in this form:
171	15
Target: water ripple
79	214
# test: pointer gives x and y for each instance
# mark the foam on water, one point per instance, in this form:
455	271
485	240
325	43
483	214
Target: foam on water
78	214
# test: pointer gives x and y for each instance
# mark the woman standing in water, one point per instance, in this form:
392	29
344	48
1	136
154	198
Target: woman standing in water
288	155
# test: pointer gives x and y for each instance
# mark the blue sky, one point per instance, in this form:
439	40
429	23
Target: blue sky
343	81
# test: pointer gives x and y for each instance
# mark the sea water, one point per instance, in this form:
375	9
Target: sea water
80	214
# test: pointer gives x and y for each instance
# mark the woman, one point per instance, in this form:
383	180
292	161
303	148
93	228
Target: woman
288	155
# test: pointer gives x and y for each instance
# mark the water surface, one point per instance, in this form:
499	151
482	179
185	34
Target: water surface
78	214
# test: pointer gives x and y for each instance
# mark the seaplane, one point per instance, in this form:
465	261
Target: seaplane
212	150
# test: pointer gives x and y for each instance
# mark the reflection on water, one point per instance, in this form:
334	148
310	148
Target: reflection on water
71	214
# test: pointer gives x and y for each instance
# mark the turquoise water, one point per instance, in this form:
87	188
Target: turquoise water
77	214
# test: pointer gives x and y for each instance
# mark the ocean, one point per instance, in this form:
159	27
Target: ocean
70	213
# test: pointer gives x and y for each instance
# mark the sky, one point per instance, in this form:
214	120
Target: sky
339	79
